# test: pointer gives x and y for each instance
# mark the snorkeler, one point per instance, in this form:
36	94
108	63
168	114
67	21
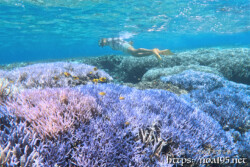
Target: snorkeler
126	47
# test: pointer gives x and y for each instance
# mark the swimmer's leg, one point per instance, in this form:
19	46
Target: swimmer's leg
166	52
144	52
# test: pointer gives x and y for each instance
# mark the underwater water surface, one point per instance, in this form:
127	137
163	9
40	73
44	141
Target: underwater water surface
65	101
42	29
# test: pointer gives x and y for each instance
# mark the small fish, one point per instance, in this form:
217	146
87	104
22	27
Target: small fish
95	69
11	81
66	74
55	78
95	80
102	79
90	72
102	93
127	123
121	98
75	78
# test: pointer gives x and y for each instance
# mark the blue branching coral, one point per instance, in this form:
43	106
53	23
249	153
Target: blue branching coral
227	102
192	80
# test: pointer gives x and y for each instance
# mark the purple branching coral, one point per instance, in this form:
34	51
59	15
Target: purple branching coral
107	143
50	75
99	143
192	131
57	152
124	127
53	111
18	147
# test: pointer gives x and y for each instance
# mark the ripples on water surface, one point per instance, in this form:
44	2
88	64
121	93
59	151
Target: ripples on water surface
40	29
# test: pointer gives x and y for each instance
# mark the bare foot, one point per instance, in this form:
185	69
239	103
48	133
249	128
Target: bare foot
156	52
166	52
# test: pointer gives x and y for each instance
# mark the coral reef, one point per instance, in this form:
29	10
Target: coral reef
190	129
57	152
58	74
156	73
15	65
157	85
225	101
18	147
139	129
232	63
52	111
244	146
192	80
109	143
108	125
5	90
6	118
138	132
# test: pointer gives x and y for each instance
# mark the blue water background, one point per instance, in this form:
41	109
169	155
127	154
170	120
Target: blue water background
43	29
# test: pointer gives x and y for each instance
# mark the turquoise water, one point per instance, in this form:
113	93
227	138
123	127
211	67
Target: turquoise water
192	106
33	30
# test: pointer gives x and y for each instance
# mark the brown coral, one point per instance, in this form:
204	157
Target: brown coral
5	90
